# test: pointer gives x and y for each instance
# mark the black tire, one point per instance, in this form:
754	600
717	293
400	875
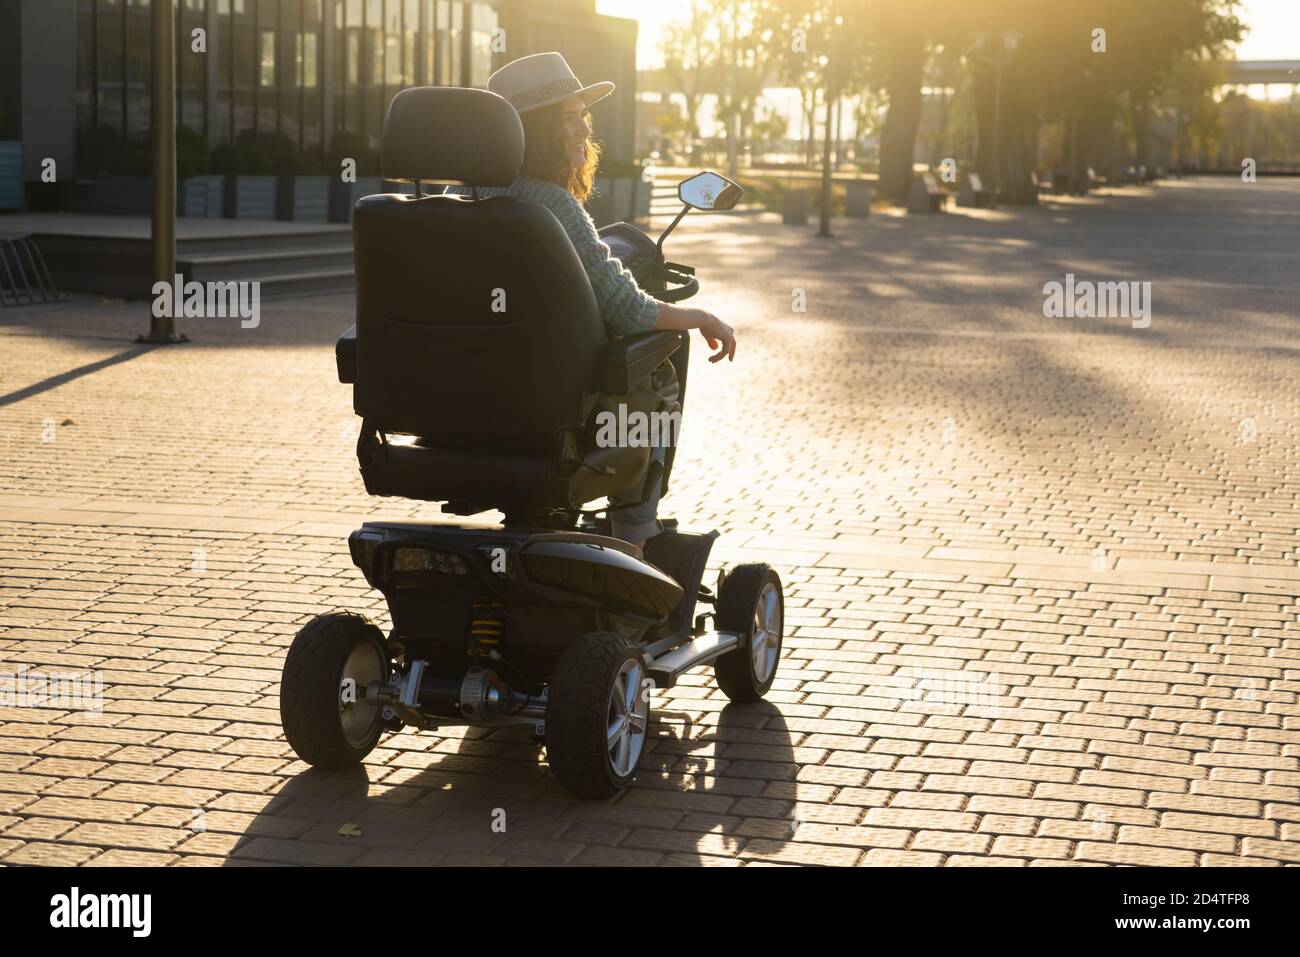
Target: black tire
578	710
310	709
737	611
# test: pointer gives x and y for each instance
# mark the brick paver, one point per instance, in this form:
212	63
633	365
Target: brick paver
1041	575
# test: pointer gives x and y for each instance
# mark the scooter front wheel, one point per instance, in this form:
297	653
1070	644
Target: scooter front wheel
751	604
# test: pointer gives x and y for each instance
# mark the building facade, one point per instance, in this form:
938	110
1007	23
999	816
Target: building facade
285	75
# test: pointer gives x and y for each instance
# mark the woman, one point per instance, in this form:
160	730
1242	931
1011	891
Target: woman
559	169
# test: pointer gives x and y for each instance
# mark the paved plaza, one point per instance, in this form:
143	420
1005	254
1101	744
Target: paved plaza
1043	598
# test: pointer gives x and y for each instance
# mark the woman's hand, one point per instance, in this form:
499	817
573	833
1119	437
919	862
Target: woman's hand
718	335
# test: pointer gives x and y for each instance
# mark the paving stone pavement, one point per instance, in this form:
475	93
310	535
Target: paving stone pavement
1041	574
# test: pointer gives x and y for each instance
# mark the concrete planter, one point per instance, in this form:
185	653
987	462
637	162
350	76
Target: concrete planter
254	197
303	199
12	191
201	196
795	206
857	199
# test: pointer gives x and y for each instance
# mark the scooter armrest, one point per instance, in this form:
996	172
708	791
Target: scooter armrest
625	362
345	355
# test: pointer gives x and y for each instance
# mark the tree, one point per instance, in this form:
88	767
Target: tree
691	51
1094	83
901	63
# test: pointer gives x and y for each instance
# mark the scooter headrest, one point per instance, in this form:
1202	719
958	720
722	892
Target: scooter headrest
445	134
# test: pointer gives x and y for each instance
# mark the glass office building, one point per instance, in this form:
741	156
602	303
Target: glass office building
283	69
287	75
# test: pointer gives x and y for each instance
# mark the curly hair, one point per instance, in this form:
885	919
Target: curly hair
546	154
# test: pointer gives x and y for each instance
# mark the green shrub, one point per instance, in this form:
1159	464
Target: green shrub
191	152
226	160
254	161
131	160
297	166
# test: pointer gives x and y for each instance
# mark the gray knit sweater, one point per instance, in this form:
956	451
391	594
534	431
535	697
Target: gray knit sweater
625	307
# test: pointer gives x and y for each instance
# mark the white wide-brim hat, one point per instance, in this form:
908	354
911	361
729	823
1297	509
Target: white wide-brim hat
533	82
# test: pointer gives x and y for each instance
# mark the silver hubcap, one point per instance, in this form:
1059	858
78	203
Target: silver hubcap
627	719
358	719
765	646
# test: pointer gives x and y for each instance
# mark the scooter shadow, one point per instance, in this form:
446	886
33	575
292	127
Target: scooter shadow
485	797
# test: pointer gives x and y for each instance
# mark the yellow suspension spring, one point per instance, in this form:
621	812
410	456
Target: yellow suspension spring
486	627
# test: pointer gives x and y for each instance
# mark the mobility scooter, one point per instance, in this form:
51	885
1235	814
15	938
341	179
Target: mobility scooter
479	364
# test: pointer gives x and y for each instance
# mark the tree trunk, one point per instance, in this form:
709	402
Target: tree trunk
1008	158
1077	132
898	137
1142	135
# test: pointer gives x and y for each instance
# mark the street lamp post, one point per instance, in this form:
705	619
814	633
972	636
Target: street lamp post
997	136
733	121
831	70
162	329
824	222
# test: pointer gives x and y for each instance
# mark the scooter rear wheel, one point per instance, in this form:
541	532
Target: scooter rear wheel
326	718
751	604
597	715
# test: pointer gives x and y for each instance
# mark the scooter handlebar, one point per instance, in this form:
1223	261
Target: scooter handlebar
688	286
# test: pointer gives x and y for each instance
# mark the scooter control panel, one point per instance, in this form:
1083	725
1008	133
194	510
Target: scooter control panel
632	247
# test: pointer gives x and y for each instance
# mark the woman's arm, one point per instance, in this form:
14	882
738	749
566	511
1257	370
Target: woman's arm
626	308
716	333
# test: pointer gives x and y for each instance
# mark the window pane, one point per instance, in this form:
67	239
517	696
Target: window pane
450	26
85	87
393	43
267	69
410	29
373	75
393	58
225	94
484	22
243	67
191	67
374	48
311	95
307	44
138	56
430	44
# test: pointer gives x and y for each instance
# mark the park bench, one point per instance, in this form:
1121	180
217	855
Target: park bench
926	195
971	192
